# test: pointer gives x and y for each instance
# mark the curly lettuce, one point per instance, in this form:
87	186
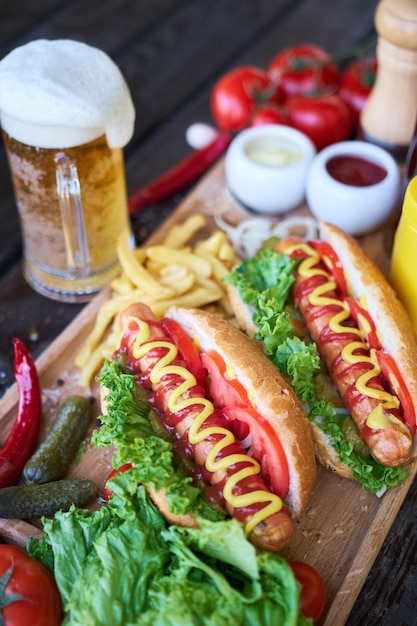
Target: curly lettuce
123	565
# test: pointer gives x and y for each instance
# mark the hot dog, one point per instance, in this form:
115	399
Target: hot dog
328	300
230	411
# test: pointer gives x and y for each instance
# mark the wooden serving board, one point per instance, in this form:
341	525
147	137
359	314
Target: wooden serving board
342	529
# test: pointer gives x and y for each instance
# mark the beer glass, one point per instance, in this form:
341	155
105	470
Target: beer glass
69	182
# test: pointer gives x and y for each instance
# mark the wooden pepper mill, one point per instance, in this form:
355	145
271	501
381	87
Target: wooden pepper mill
389	116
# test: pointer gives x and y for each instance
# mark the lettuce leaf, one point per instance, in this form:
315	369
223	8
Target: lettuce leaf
123	566
264	283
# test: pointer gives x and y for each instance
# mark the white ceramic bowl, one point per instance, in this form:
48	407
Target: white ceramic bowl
266	167
355	209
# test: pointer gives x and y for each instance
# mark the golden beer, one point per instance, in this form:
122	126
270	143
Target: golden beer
103	196
66	114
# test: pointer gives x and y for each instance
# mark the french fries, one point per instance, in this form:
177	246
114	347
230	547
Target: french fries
175	272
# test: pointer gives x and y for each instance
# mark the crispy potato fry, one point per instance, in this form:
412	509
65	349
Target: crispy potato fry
96	358
178	277
103	320
121	284
181	234
176	272
165	255
195	299
137	273
212	244
219	269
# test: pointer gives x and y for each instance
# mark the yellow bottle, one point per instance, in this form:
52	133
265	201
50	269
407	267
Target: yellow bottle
403	275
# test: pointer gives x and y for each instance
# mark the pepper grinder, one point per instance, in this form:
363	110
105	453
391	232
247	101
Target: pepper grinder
389	115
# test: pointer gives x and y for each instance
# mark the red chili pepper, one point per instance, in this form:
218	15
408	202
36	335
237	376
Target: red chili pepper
21	442
181	175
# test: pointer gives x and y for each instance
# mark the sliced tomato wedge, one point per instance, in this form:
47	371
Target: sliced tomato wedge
332	263
364	322
265	446
247	425
224	390
107	493
391	372
186	348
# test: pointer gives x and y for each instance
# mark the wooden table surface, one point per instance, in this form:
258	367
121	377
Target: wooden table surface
171	52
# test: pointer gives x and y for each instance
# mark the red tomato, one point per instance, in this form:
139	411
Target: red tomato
304	69
269	114
229	394
225	391
107	493
326	119
237	95
37	600
392	374
265	446
312	595
365	323
187	349
332	263
356	84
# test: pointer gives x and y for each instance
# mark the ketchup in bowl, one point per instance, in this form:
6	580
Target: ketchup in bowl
355	185
355	170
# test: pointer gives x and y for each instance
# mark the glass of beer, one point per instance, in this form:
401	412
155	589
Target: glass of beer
66	114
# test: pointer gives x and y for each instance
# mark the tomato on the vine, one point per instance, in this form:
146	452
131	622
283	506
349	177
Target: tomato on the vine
29	594
304	69
312	595
325	119
237	95
356	84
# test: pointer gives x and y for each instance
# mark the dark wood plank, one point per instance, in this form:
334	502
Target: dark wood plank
171	53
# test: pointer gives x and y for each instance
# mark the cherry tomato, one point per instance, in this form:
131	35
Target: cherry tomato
269	114
312	595
237	95
356	84
37	600
325	119
304	69
107	493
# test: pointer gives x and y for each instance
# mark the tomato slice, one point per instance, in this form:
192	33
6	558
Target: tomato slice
312	596
187	349
391	372
364	322
332	263
247	425
107	493
265	446
224	390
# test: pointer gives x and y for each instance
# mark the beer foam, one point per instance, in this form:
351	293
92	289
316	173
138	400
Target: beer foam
50	87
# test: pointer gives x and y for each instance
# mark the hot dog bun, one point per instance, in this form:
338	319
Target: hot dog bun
368	285
270	394
325	453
